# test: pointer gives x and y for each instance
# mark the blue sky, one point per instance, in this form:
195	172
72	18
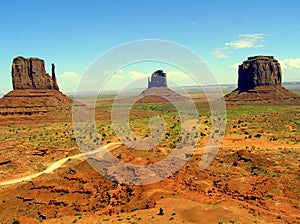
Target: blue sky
72	34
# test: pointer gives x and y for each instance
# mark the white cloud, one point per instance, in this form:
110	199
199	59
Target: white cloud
70	75
201	61
177	75
247	41
68	81
108	72
125	77
220	53
244	41
290	63
235	65
133	75
128	75
137	75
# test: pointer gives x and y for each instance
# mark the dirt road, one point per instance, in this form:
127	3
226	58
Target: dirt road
56	165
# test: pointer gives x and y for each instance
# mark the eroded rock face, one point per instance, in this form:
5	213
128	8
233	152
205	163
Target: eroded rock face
260	82
54	81
158	79
30	73
259	71
35	95
158	90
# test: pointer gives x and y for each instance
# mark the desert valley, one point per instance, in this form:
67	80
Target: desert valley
254	178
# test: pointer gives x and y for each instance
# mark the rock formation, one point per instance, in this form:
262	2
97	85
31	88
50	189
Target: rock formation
30	73
54	81
259	79
158	79
259	71
35	93
158	91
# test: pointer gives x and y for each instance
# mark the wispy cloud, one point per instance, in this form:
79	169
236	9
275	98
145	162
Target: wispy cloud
178	75
247	41
68	81
235	65
128	75
133	75
244	41
290	63
69	75
201	61
220	52
137	75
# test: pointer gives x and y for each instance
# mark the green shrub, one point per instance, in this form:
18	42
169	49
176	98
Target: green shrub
270	196
133	209
161	211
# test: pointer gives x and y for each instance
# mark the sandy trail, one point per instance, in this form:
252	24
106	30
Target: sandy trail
60	162
57	164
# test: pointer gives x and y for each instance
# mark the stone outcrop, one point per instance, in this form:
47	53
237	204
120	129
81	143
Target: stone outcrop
47	104
158	91
35	94
54	81
157	79
30	73
259	80
259	71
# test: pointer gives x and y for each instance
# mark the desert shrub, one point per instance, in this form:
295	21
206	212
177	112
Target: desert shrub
270	196
272	138
257	135
133	209
161	211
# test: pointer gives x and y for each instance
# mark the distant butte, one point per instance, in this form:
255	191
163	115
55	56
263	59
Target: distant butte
158	89
259	80
35	93
158	79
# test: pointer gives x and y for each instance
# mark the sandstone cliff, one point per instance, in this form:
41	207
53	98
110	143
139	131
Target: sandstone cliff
35	95
158	79
259	80
158	91
30	73
259	71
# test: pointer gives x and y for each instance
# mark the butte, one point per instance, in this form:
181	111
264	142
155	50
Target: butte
35	94
259	81
158	90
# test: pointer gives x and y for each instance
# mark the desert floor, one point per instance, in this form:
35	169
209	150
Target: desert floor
254	178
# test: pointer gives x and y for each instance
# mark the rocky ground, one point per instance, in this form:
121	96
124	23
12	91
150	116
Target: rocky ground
253	179
240	186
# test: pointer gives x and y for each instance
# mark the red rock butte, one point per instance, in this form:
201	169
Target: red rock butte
259	80
30	73
158	90
35	93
